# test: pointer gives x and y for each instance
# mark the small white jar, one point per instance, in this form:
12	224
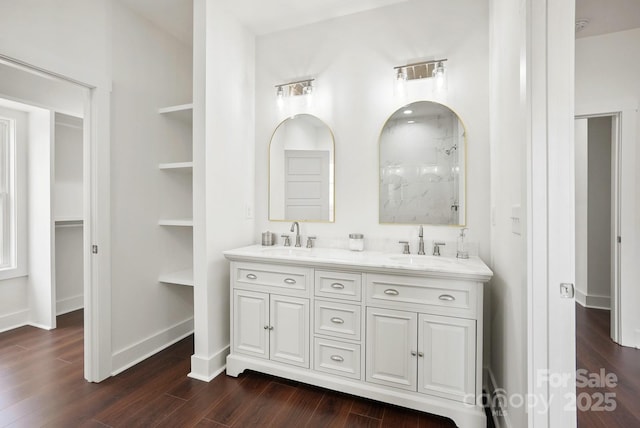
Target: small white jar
356	241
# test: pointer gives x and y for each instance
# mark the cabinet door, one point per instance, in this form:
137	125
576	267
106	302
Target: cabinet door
392	347
447	357
289	338
251	323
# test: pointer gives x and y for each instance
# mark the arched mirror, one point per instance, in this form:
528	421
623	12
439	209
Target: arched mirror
301	170
422	166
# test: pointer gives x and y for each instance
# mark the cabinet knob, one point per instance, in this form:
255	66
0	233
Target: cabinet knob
337	358
266	327
420	354
337	320
270	327
290	281
251	276
413	353
447	297
337	286
391	292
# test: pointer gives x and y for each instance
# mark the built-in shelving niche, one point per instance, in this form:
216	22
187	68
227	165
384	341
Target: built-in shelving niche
181	116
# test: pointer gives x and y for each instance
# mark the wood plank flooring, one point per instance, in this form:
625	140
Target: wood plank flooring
595	351
41	384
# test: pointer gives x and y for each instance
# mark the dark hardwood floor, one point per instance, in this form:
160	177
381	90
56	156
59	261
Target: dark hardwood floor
595	351
41	384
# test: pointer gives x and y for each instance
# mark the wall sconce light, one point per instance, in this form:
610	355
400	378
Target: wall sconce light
292	89
421	70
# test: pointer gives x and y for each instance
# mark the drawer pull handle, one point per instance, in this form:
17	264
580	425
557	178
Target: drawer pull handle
290	281
337	286
337	358
391	292
251	276
447	297
337	320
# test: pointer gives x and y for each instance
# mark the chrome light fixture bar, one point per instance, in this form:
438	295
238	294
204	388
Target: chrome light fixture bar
292	89
421	70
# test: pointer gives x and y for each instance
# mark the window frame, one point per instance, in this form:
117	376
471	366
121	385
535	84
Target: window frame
13	211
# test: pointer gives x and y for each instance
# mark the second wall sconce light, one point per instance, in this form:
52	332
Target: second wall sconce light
291	89
421	70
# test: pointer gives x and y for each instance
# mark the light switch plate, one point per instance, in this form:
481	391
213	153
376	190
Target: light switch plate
516	226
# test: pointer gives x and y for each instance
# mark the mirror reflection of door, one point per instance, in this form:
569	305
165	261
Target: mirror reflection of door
301	170
307	184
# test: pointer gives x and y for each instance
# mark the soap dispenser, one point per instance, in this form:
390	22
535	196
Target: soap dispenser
463	252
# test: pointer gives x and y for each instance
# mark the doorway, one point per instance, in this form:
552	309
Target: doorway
50	93
597	202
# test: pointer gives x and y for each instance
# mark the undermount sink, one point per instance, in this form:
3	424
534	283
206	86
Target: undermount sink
279	251
426	261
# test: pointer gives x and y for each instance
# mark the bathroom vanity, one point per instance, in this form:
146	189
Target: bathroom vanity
403	329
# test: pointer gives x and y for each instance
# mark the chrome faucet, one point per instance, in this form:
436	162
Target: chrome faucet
296	226
436	248
420	242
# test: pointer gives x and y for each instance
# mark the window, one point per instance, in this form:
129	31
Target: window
7	194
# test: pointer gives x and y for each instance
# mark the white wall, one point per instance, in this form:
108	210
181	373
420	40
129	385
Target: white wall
619	86
508	289
150	70
68	205
352	59
223	156
40	219
582	209
599	218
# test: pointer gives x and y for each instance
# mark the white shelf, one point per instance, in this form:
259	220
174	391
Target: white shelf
183	111
183	277
69	222
182	222
176	165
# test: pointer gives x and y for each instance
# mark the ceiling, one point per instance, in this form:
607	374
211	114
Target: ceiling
607	16
259	16
268	16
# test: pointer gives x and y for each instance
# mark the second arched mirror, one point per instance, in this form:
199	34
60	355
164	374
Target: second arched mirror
301	170
423	166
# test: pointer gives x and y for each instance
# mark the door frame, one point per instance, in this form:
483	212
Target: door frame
624	113
96	213
549	99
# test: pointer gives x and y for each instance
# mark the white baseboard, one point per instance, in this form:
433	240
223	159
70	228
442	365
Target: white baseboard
206	369
70	304
593	301
142	350
14	320
499	415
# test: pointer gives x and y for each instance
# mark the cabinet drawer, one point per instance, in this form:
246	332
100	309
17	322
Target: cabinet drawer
338	285
337	319
273	277
438	296
339	358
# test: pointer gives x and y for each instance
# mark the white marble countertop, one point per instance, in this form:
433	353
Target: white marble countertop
472	268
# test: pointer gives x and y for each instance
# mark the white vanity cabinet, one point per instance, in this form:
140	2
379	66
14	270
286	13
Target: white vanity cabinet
430	354
272	327
403	335
269	321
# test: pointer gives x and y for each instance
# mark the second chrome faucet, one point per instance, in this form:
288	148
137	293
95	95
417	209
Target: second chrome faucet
295	225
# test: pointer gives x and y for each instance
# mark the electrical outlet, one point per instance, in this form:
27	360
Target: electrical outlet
248	211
